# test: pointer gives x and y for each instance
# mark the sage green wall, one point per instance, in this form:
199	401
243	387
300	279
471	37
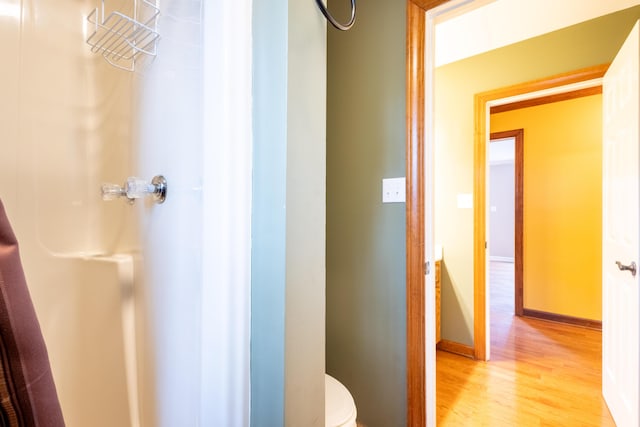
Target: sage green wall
591	43
288	214
366	312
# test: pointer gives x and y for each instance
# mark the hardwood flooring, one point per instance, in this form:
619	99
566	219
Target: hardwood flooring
540	374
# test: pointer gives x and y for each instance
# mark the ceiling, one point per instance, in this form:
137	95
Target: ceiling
498	23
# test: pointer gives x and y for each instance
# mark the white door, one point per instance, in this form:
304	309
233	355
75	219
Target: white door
620	356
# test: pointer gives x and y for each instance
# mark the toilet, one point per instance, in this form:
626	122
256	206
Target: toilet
340	409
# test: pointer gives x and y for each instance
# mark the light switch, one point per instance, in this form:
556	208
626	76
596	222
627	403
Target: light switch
465	201
393	190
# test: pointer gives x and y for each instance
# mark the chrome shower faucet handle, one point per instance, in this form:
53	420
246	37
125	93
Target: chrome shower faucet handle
135	188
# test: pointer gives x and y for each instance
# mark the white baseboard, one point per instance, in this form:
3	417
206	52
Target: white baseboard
501	258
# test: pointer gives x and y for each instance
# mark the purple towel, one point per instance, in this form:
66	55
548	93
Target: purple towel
27	393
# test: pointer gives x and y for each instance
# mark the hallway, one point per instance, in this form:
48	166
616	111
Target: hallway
540	374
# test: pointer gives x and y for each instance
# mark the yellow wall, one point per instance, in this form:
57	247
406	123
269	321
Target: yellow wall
562	204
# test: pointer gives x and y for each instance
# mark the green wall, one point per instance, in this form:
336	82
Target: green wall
591	43
365	239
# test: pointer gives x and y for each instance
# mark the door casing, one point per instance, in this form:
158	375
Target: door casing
564	82
518	136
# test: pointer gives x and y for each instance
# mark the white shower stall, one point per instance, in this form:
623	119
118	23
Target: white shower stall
144	307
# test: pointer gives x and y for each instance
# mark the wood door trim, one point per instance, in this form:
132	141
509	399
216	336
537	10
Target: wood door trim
564	96
479	195
426	5
416	370
561	318
518	135
415	205
455	348
558	80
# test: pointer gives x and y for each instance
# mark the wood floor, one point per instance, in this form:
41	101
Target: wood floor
540	374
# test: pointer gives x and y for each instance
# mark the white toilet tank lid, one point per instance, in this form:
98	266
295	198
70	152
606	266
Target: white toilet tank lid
340	409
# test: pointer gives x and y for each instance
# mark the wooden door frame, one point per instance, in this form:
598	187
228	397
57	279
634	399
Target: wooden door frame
417	397
415	209
518	136
519	200
482	103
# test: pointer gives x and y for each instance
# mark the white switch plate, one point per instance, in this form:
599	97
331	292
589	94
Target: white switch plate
393	190
465	201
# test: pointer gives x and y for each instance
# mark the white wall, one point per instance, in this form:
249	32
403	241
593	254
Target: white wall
120	290
193	125
168	141
64	120
502	211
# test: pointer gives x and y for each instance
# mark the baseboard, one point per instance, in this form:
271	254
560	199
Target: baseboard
455	348
561	318
502	258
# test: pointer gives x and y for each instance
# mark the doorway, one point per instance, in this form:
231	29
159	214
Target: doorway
419	141
573	84
498	355
505	221
506	160
512	337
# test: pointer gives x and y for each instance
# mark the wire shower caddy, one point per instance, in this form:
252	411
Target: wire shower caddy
122	36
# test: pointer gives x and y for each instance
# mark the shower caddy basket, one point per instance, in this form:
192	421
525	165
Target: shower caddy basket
121	36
